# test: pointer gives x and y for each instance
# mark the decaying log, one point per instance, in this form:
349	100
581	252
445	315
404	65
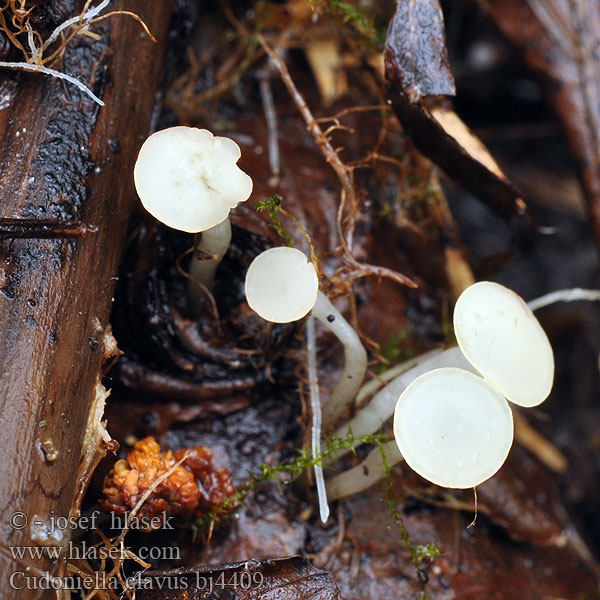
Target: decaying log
63	158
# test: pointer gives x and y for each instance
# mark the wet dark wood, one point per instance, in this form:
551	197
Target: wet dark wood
419	81
65	159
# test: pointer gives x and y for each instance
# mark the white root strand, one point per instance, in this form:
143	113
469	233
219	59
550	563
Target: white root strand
90	14
23	66
364	475
355	357
271	119
569	295
315	404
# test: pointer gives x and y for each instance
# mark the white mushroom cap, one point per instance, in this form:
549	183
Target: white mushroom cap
502	339
452	428
281	285
188	179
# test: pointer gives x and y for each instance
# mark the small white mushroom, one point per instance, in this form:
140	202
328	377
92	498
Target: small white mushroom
499	335
452	428
188	179
282	286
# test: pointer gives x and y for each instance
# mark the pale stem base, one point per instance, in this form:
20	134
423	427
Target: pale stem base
215	242
364	475
355	357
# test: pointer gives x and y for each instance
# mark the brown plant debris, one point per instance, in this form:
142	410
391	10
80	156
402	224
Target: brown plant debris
419	85
561	42
192	489
292	578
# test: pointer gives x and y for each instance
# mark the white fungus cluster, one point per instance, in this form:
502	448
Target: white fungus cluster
452	422
455	428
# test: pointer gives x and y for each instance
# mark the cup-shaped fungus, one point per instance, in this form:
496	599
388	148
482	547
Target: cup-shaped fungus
499	335
453	428
282	286
188	179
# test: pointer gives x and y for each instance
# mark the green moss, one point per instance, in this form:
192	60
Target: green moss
293	469
272	205
418	552
351	14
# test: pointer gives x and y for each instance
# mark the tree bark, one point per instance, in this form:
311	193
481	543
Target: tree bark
63	158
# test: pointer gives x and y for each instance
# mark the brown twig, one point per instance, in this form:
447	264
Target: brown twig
11	229
343	172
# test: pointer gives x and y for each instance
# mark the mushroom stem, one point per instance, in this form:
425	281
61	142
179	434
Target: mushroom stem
371	417
364	475
208	254
355	356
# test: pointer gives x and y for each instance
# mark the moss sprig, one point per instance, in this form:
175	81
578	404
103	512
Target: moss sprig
292	469
304	459
273	205
418	552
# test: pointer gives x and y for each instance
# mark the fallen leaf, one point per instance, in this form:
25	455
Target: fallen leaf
291	578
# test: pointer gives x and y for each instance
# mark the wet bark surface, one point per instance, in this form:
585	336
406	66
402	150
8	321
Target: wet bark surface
64	159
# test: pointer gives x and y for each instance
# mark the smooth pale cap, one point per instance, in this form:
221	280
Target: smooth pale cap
502	339
452	428
188	179
281	285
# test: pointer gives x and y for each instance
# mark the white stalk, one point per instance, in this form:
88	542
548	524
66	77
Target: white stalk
214	242
315	404
382	378
381	407
364	475
355	357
